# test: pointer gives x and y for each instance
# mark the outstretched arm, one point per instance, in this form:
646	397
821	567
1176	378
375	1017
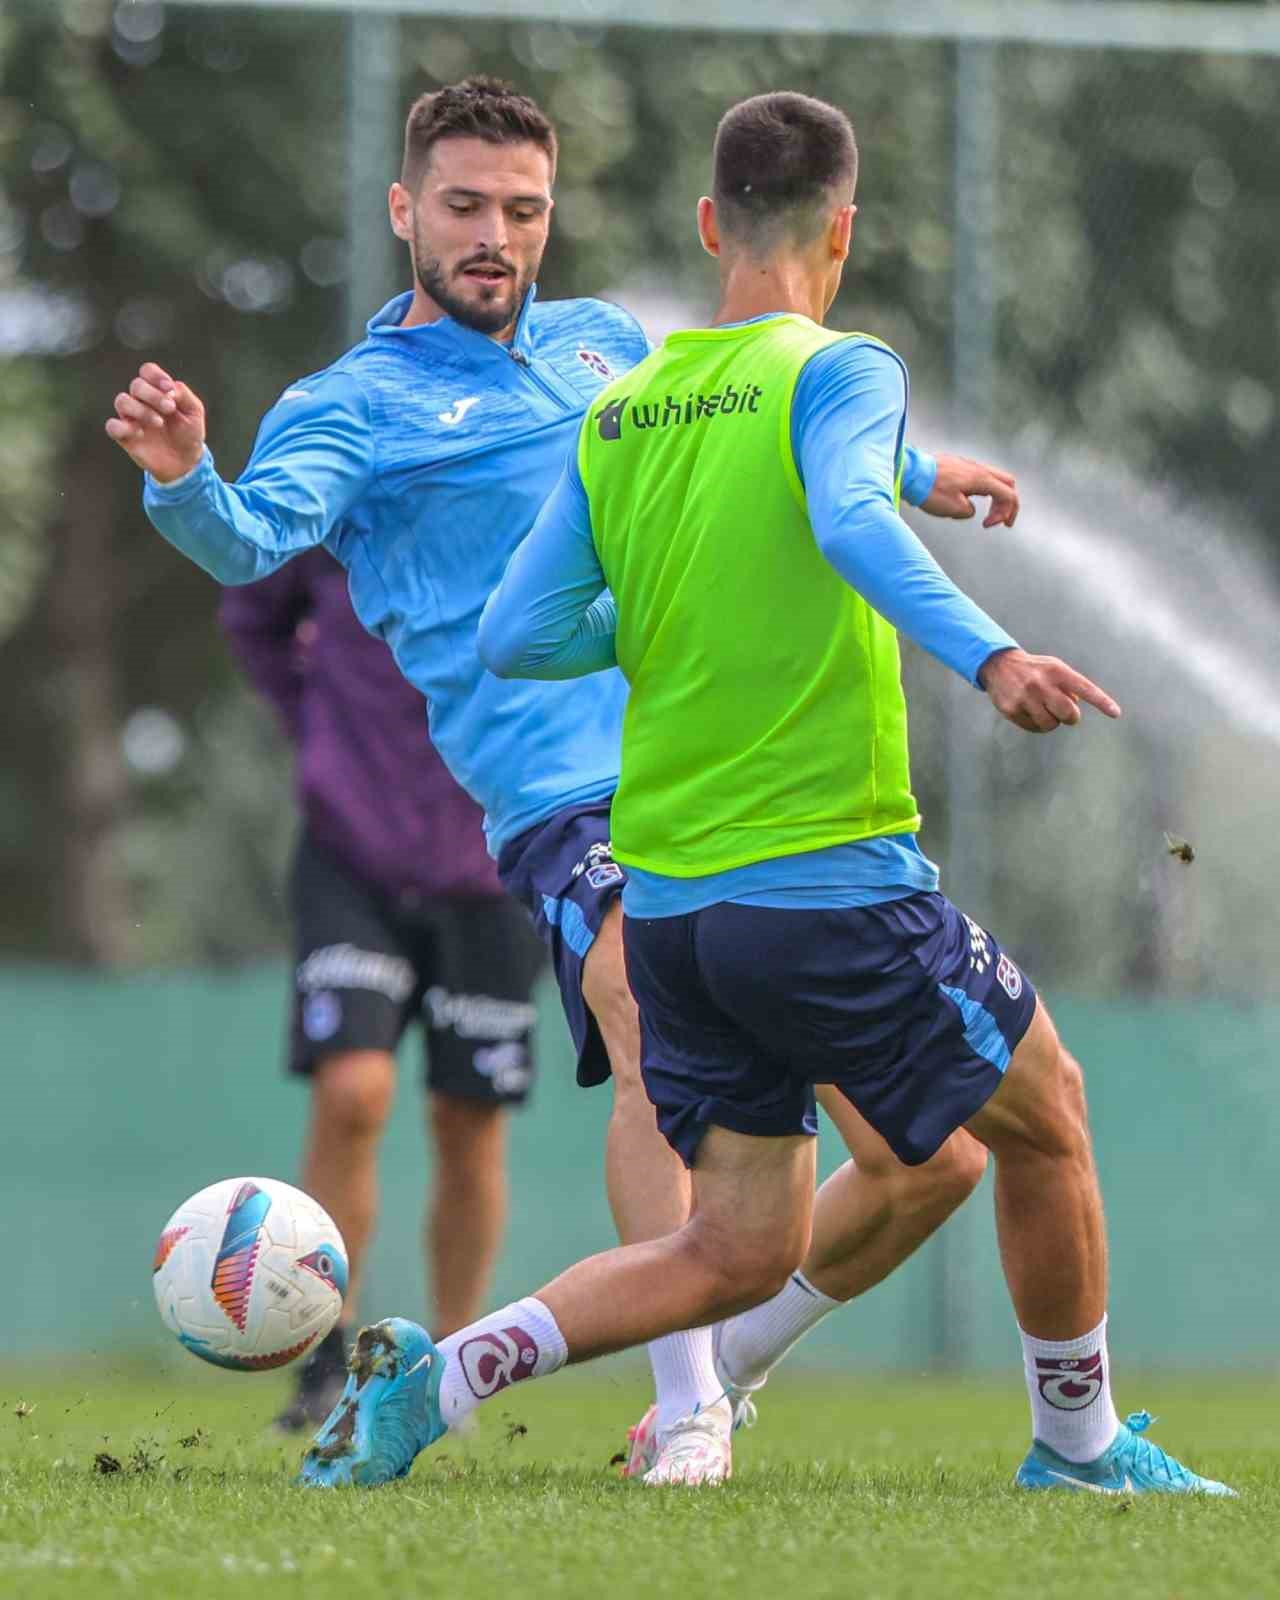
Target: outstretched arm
552	615
848	418
311	461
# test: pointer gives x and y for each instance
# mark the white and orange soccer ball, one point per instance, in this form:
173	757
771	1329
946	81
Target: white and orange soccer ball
250	1273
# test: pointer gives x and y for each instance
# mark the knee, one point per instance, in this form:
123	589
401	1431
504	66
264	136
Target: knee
352	1096
742	1273
956	1171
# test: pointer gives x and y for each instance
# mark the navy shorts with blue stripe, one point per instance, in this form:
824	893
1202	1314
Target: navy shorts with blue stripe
563	871
908	1007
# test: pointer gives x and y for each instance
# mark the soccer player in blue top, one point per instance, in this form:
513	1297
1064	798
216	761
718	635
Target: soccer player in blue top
420	459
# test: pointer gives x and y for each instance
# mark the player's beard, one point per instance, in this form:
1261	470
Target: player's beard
493	308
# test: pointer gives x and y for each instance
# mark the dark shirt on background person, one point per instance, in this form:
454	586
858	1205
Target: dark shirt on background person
359	729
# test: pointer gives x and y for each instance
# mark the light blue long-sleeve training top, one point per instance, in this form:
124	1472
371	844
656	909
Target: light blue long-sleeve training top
420	459
552	614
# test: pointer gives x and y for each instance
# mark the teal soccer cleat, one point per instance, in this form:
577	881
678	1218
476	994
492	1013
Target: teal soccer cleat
388	1413
1129	1465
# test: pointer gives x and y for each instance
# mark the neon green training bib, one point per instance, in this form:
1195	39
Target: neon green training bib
766	715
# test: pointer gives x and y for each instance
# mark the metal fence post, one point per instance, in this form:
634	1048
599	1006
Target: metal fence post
973	380
372	129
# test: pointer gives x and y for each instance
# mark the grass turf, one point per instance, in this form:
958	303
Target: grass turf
115	1484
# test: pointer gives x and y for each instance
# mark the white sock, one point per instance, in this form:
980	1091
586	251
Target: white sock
520	1341
753	1343
1069	1382
684	1375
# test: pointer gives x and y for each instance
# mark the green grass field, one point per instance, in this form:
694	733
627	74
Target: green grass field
870	1488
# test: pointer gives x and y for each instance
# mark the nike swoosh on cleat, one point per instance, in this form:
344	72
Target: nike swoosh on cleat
1127	1487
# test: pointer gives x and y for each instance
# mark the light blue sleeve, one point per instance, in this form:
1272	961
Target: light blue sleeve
919	474
552	615
848	418
313	458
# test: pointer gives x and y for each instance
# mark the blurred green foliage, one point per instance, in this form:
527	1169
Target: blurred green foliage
172	185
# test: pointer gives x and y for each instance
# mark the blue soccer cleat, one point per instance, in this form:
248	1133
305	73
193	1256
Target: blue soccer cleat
388	1413
1129	1465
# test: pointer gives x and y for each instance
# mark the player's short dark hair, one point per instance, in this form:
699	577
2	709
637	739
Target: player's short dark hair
779	158
477	108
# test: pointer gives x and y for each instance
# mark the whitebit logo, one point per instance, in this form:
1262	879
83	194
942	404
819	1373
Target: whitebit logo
459	410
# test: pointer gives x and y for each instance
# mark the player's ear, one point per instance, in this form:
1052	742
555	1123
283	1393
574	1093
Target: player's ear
842	232
400	209
708	225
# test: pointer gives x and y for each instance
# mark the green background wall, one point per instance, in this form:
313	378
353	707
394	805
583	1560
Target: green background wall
124	1095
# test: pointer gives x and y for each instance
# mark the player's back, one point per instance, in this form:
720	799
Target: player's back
766	714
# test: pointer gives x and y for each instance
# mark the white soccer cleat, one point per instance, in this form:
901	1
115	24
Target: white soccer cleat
642	1445
738	1394
695	1449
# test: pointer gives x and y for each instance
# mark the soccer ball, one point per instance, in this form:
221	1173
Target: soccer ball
250	1273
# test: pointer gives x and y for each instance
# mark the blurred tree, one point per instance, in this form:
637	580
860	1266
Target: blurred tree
173	188
171	185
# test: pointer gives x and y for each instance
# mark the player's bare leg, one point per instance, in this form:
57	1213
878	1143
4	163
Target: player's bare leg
1053	1246
351	1097
869	1217
1053	1240
467	1211
647	1184
649	1192
874	1212
749	1225
752	1203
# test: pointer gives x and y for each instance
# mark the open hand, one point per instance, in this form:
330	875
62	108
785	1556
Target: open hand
159	424
1040	693
959	480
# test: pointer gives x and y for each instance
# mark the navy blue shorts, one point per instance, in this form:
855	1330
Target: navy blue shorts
564	872
909	1008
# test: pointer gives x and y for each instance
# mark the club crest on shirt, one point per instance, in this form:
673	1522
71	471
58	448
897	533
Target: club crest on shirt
597	363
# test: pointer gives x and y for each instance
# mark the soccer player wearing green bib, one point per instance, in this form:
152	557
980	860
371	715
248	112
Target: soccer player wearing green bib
728	536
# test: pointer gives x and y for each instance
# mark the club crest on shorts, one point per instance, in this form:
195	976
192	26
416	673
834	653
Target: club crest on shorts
495	1360
1009	978
599	867
597	363
321	1015
1070	1384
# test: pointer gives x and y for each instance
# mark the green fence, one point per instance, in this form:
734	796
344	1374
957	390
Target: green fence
126	1094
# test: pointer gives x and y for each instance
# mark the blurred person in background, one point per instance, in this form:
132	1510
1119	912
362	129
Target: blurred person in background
398	918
